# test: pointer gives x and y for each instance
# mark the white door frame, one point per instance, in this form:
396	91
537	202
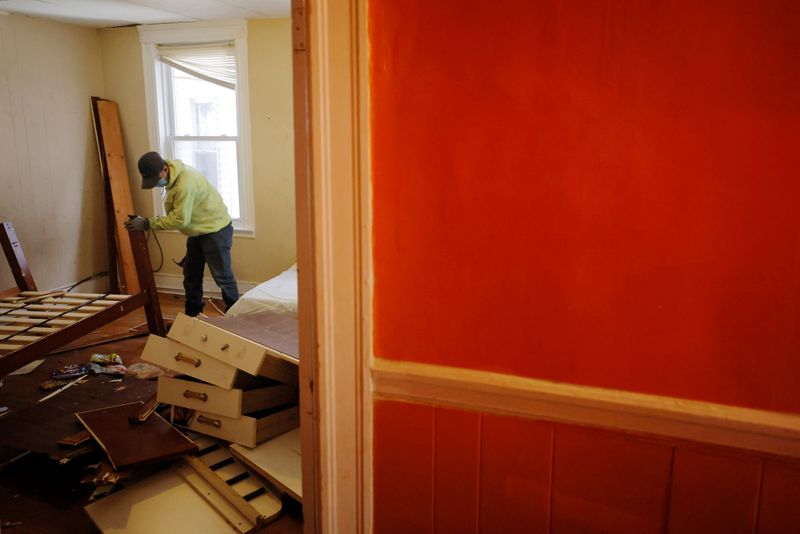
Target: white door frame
339	228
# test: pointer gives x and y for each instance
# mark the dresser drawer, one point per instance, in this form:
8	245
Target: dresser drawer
185	360
247	430
234	402
232	349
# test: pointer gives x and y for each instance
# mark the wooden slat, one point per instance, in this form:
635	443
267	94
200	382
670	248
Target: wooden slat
97	295
45	314
63	307
116	169
81	302
10	347
21	338
26	320
34	330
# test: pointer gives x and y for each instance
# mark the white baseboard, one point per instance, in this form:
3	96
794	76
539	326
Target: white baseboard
481	391
173	284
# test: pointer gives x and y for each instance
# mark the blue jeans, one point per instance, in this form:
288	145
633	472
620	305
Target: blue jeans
215	250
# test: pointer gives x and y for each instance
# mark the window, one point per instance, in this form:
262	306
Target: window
196	88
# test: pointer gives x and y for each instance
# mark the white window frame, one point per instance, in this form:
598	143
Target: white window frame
150	36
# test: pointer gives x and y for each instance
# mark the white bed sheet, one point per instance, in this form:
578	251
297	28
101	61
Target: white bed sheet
278	294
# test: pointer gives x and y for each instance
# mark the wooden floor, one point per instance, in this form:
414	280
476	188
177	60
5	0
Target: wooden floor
37	493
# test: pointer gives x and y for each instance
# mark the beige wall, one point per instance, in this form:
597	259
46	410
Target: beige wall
50	184
272	249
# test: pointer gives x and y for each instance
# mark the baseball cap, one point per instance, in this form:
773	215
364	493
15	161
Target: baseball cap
150	166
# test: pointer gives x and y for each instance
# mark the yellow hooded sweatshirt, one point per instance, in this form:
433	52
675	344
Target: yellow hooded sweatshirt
192	204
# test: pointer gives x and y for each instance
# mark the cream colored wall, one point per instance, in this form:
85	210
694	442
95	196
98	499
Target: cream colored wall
50	182
272	249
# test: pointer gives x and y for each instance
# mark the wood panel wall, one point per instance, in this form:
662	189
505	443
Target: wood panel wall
441	470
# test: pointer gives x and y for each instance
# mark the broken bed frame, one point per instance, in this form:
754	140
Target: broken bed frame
34	323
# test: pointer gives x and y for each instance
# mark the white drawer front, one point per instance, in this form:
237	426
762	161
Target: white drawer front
224	346
227	402
199	396
172	355
230	348
245	430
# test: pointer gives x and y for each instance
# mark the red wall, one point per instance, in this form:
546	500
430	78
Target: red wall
597	192
449	471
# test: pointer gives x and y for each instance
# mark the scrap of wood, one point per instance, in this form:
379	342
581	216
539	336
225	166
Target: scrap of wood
141	413
63	388
75	439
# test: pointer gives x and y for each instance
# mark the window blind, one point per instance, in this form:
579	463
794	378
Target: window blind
213	62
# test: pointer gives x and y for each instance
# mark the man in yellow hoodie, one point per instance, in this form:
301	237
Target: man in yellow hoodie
195	208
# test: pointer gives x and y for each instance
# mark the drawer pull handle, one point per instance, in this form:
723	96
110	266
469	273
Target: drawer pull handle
194	361
208	421
203	338
195	395
224	347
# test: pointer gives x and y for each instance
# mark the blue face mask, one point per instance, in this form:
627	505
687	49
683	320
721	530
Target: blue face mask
162	183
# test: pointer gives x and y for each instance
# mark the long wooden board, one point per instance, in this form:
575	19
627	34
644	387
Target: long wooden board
115	171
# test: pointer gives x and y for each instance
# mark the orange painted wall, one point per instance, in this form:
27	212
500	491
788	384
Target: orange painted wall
439	470
602	193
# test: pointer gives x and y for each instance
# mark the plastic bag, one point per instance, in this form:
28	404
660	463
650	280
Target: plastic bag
106	359
144	371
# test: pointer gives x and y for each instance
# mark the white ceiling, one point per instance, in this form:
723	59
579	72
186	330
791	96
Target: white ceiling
109	13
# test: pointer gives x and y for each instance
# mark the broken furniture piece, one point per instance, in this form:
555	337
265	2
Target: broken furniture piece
128	444
237	385
209	492
34	323
277	460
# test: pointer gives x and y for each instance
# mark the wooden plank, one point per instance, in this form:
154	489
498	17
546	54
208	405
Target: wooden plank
27	297
27	320
27	294
111	242
21	338
80	302
62	307
91	296
45	314
107	116
33	330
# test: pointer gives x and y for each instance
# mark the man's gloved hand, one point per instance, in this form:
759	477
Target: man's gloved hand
137	223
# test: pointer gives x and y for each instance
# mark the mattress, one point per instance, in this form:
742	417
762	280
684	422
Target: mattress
278	294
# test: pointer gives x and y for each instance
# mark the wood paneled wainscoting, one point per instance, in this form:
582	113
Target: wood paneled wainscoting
467	451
